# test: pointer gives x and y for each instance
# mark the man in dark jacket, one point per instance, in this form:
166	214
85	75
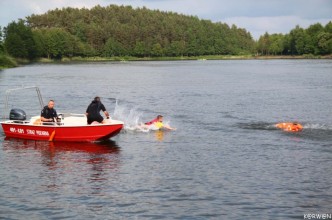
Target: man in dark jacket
93	111
48	114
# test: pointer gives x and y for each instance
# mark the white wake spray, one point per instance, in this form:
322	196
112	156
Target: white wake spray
131	117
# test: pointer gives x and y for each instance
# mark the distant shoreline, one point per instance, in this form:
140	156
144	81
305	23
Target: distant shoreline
202	58
199	58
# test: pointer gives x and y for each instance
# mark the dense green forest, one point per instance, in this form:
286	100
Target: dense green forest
316	40
120	31
5	60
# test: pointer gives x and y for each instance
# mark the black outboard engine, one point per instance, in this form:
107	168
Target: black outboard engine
17	114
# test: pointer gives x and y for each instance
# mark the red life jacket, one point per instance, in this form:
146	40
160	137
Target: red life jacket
151	122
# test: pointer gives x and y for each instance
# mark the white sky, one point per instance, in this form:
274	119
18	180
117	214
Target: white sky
256	16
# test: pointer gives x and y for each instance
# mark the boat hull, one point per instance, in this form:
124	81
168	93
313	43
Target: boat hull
86	133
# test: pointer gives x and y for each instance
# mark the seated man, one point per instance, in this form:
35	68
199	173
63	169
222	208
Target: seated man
48	114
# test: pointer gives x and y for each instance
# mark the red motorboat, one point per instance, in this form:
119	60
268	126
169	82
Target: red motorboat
70	127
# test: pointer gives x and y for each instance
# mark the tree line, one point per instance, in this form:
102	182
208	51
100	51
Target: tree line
123	31
5	60
316	40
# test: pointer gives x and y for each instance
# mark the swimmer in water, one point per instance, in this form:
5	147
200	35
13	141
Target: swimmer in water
290	126
158	123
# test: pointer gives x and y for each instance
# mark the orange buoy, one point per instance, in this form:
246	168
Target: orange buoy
290	126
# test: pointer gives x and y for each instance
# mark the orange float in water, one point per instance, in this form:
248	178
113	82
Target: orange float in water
290	126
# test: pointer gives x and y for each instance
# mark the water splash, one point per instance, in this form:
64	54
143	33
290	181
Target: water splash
318	131
317	126
129	115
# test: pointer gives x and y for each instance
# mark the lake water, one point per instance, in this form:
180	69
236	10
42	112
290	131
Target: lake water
225	160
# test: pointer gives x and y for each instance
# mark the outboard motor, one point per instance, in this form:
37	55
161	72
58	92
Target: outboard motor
17	114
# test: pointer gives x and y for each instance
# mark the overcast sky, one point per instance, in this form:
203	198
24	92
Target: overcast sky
256	16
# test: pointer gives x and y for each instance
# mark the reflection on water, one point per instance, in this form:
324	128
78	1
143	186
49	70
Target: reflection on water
54	154
104	147
39	170
160	135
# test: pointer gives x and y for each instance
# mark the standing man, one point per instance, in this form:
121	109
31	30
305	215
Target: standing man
48	114
93	111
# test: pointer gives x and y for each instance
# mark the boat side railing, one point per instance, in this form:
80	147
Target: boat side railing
65	114
9	91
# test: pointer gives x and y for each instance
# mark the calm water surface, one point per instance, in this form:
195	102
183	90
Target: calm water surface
225	160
